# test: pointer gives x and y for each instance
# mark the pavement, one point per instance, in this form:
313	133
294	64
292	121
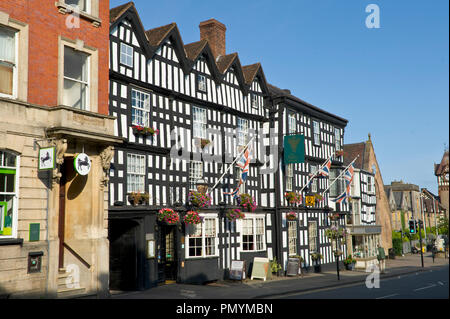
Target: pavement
280	286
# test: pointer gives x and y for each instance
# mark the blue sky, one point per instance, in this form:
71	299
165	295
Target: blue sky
392	81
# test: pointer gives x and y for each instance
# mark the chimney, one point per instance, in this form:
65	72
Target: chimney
214	32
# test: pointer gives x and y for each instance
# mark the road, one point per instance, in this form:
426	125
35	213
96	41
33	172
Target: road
431	284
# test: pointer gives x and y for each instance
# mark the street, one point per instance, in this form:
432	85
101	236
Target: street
431	284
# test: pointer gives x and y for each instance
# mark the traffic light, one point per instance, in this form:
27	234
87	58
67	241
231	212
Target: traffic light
412	226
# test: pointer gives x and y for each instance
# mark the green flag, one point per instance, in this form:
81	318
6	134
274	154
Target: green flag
294	149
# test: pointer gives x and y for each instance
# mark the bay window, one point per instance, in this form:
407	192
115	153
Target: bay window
8	192
202	238
253	234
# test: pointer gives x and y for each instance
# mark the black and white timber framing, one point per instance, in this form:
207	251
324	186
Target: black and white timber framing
162	70
294	116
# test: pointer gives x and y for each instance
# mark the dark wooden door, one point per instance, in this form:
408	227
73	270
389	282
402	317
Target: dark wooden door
167	254
123	255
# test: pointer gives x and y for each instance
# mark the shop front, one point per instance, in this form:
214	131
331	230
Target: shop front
363	245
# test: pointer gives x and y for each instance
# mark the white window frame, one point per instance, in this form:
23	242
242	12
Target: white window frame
292	124
199	122
124	56
314	186
15	195
254	100
289	177
87	105
145	109
292	237
14	63
201	83
135	173
242	131
370	185
258	245
190	229
316	132
88	8
312	234
195	173
356	212
337	138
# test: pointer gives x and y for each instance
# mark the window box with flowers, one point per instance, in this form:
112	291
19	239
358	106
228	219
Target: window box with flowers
247	202
199	200
144	131
138	198
235	214
291	216
192	218
168	216
293	198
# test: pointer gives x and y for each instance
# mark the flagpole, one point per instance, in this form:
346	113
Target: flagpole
237	158
340	175
317	172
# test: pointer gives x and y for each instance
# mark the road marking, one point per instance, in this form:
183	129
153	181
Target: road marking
440	283
387	296
431	286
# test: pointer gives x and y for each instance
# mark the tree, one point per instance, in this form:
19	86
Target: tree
443	225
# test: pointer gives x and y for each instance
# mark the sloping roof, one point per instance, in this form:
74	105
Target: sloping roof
156	35
250	72
116	12
353	150
193	49
441	168
277	92
225	61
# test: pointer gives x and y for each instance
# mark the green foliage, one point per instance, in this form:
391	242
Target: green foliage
443	225
349	260
397	245
402	217
274	265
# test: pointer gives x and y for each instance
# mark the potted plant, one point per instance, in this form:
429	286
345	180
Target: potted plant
247	202
349	262
316	257
234	214
275	267
199	200
291	216
137	198
192	218
293	198
168	216
335	232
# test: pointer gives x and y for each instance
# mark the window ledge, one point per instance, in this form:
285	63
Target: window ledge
11	241
65	9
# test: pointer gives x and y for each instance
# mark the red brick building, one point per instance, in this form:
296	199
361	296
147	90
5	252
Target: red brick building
54	94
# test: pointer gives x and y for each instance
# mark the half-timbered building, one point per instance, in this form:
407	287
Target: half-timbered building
187	94
324	134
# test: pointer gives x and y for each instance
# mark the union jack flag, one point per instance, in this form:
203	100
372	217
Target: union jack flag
244	164
325	170
349	173
341	198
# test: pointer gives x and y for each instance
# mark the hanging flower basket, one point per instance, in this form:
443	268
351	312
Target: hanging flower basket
192	218
291	216
234	214
168	216
144	131
340	153
247	202
199	200
335	232
293	198
319	197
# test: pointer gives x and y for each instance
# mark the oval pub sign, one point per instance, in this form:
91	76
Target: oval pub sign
82	164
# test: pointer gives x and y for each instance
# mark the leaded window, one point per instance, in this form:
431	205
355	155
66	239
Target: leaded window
316	127
200	122
126	55
135	173
195	173
242	132
292	235
312	236
140	108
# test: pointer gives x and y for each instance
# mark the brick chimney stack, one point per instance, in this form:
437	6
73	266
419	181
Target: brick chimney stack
214	31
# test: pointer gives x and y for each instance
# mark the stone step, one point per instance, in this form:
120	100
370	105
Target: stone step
70	292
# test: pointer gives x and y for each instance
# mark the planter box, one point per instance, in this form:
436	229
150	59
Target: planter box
350	266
